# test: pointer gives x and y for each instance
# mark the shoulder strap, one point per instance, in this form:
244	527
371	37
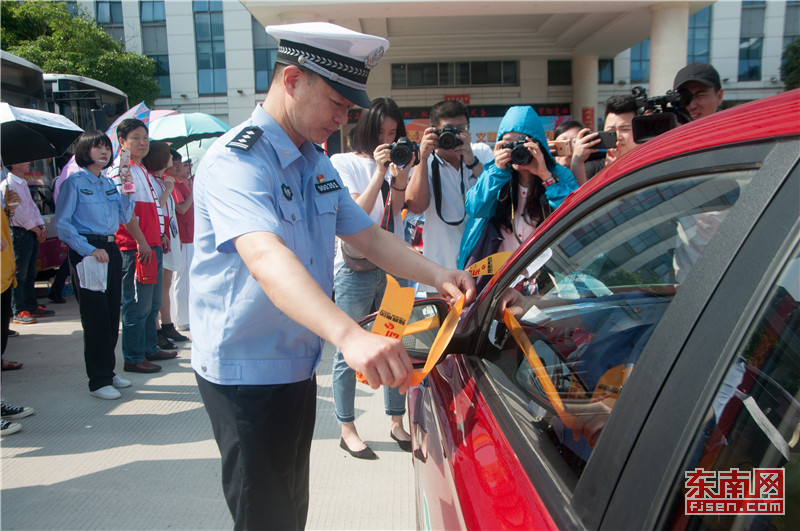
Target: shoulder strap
436	179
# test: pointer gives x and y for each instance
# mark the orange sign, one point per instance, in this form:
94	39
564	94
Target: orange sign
587	117
463	98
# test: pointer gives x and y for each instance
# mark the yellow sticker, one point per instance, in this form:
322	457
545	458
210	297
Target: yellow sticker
393	313
442	339
421	326
489	265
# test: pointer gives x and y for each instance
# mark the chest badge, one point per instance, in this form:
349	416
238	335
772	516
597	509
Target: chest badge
324	186
287	192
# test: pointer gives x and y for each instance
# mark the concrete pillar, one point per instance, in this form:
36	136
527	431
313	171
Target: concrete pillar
584	89
669	32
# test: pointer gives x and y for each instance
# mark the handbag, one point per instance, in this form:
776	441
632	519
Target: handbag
488	244
354	259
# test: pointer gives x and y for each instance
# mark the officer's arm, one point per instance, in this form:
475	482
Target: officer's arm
287	283
394	255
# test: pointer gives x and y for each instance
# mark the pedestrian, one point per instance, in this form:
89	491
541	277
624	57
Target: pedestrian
89	211
8	269
375	183
27	232
268	205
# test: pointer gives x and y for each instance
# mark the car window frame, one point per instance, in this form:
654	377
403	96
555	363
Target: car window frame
586	506
767	229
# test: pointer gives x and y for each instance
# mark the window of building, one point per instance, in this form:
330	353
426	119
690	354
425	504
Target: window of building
605	71
154	41
751	39
109	16
462	73
699	36
265	51
791	22
640	62
210	44
559	72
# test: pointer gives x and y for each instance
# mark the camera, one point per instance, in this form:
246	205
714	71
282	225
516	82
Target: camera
660	113
402	152
520	154
448	137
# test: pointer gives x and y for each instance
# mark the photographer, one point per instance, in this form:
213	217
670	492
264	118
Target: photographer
378	186
701	81
620	111
451	165
518	189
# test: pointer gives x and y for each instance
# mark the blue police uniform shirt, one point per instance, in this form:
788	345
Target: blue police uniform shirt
89	205
239	337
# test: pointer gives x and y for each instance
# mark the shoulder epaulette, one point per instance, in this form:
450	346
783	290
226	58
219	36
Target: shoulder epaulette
246	138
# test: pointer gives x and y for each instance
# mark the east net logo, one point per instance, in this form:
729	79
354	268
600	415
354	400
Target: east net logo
757	491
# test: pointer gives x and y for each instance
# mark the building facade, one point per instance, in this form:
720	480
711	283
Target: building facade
215	57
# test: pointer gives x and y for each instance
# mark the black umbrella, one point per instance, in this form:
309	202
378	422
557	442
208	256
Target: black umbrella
30	134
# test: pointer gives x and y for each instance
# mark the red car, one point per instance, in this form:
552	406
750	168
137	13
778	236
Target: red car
661	300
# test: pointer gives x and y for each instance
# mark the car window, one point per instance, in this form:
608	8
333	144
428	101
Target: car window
752	428
589	303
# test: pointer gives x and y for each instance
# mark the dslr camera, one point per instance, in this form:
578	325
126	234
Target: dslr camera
520	154
659	114
402	152
448	137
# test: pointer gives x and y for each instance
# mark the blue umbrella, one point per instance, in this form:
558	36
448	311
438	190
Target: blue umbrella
180	129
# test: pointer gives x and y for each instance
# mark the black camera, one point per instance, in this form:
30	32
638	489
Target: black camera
660	113
520	154
402	152
448	137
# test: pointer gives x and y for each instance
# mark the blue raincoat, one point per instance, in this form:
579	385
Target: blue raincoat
482	198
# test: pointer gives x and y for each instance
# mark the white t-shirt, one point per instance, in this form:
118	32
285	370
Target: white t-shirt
441	242
356	172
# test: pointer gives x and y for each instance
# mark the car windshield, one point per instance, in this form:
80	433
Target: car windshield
589	303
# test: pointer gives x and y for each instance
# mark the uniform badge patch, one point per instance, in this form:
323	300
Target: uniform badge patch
327	186
287	192
246	138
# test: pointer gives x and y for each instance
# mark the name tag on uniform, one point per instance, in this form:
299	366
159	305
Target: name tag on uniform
327	186
86	192
111	192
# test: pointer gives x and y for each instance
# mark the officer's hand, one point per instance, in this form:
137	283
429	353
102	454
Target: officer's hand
382	360
100	255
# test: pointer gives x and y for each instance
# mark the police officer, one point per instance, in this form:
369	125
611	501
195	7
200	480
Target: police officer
268	204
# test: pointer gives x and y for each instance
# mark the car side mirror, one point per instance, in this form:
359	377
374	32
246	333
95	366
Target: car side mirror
427	316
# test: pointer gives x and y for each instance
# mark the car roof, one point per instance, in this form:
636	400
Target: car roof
761	119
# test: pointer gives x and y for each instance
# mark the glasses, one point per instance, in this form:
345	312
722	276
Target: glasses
462	127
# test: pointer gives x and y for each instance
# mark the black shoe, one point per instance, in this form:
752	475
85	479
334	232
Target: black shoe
168	331
366	453
404	445
56	298
164	343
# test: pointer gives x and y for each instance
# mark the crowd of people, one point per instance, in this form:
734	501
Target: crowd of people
281	228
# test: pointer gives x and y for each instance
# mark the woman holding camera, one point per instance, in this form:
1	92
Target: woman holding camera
378	185
517	190
89	211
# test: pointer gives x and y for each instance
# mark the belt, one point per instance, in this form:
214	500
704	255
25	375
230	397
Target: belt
99	238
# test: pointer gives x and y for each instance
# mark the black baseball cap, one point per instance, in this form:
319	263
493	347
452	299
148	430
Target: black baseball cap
701	72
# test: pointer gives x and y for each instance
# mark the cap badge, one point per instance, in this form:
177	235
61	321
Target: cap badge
374	57
287	192
320	177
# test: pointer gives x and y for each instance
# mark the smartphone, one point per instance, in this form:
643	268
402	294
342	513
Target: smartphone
608	139
125	177
561	148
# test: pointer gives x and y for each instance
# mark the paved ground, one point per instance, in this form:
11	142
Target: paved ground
149	461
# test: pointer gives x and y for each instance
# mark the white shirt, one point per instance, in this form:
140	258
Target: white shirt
356	173
441	242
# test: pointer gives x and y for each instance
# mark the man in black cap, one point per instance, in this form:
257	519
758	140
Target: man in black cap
700	80
268	205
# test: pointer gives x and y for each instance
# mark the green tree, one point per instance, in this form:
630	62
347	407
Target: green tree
50	36
790	65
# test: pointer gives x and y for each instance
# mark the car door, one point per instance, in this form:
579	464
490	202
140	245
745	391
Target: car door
608	284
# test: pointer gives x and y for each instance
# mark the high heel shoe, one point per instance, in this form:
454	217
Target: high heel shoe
366	453
404	445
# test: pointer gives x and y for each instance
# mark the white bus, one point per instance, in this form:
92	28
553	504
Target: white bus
89	103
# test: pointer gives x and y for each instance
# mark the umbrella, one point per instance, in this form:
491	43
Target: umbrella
30	134
140	111
180	129
157	114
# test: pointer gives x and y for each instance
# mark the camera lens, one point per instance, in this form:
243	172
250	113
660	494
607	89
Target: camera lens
520	155
447	140
401	154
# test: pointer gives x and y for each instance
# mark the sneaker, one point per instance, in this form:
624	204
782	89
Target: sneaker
120	383
106	393
16	412
168	331
7	428
41	311
23	318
